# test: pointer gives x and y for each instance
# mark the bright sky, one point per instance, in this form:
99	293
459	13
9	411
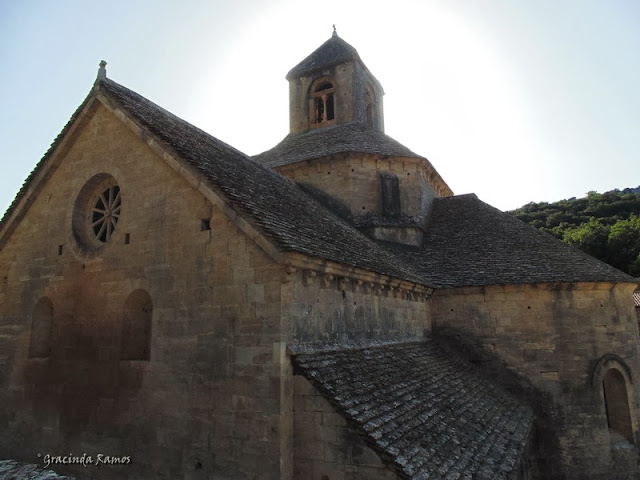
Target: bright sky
515	101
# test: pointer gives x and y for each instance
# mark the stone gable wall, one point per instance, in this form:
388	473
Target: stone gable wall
326	448
554	336
213	398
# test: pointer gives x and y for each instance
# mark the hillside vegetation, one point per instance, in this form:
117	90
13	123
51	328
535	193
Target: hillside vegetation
605	225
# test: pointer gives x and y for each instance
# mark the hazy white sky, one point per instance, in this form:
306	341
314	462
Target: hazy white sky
516	101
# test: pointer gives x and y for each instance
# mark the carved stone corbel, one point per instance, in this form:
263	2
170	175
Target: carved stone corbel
327	279
308	277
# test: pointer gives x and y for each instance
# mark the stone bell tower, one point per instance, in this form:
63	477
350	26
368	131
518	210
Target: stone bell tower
332	86
337	151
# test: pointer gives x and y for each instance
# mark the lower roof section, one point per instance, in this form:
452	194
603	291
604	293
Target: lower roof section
470	243
427	413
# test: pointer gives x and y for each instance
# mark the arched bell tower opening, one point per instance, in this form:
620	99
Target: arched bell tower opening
322	102
333	86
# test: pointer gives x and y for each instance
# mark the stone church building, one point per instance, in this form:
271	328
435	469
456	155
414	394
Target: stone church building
325	310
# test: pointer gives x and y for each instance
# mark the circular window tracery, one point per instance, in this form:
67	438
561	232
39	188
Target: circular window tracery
97	211
106	213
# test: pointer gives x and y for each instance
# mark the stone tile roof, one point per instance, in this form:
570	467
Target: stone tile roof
332	52
348	137
427	412
471	243
12	470
283	212
467	242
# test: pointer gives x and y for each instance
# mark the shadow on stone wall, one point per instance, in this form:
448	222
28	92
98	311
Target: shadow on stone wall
544	454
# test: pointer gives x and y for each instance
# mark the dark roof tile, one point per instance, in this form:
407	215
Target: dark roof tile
431	413
470	243
276	204
332	52
321	142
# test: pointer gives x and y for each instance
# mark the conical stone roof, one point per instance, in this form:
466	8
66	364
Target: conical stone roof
332	52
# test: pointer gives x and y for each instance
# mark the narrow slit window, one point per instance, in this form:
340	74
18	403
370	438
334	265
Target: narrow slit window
390	193
370	108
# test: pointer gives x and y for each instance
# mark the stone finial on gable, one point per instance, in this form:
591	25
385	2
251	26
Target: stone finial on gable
335	33
102	71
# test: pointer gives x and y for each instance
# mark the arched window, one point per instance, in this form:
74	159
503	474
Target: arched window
370	101
322	103
136	326
617	404
41	325
611	374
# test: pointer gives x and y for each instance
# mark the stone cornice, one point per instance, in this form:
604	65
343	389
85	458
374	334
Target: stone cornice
344	277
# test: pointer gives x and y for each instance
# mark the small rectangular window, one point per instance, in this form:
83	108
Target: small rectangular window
390	195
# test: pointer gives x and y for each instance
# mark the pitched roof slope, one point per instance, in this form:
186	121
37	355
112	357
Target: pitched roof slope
332	52
471	243
348	137
432	415
292	219
28	181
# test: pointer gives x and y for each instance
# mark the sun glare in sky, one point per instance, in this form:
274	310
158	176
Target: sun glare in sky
513	101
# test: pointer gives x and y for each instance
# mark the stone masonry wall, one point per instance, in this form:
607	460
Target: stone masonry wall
555	336
214	399
354	181
326	448
318	310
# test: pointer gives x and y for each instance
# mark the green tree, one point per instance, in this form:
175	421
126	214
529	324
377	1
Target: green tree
623	244
634	267
589	237
604	225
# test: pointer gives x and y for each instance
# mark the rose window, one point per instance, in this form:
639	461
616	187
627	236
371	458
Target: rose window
96	213
105	213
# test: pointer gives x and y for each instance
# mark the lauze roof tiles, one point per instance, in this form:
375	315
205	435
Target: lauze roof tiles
431	414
